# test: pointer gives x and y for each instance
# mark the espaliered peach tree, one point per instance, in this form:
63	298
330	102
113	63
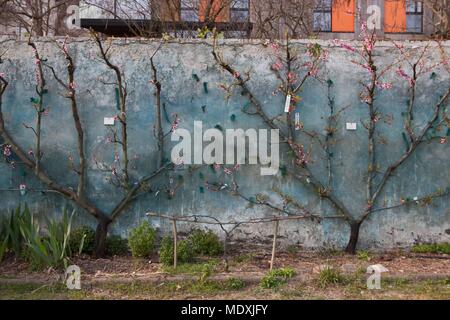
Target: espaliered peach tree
293	70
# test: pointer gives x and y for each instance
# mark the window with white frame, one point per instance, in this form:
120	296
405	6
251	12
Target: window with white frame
322	16
414	16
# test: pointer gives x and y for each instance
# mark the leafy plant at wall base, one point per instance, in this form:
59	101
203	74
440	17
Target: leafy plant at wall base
205	242
12	225
276	277
142	240
3	247
116	245
443	248
330	276
82	240
235	284
52	250
184	251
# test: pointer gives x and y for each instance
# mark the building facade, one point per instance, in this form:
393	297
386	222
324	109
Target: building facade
395	19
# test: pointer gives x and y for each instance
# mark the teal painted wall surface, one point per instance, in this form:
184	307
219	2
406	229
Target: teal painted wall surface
184	94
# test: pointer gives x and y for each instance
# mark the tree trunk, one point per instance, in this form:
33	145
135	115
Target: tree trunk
100	237
354	235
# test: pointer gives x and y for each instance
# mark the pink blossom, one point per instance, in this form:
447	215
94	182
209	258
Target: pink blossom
277	66
368	44
22	186
292	77
345	46
403	74
237	167
227	171
31	153
72	85
2	75
175	123
7	150
443	140
384	86
236	74
275	46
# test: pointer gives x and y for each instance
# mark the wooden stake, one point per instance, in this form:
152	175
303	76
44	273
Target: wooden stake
174	229
274	244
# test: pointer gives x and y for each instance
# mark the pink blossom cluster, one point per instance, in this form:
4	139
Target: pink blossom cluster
384	86
291	77
234	169
175	123
7	150
301	156
400	72
344	45
277	66
275	46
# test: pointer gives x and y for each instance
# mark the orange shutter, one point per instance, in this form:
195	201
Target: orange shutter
218	10
343	16
394	15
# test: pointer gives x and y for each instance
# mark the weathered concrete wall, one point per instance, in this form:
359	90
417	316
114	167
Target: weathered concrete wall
423	173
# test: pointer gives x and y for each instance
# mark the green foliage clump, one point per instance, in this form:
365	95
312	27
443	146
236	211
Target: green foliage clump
21	235
330	276
25	239
234	284
432	248
82	240
276	277
206	243
363	255
142	240
185	252
116	245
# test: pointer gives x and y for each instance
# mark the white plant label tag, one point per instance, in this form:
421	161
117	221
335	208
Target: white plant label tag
297	121
287	105
107	121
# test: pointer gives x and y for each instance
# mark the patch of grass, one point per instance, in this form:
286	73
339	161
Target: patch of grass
243	258
329	252
192	268
394	282
277	277
234	284
363	255
431	248
330	276
33	291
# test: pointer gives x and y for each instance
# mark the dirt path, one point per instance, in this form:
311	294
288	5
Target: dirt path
410	276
